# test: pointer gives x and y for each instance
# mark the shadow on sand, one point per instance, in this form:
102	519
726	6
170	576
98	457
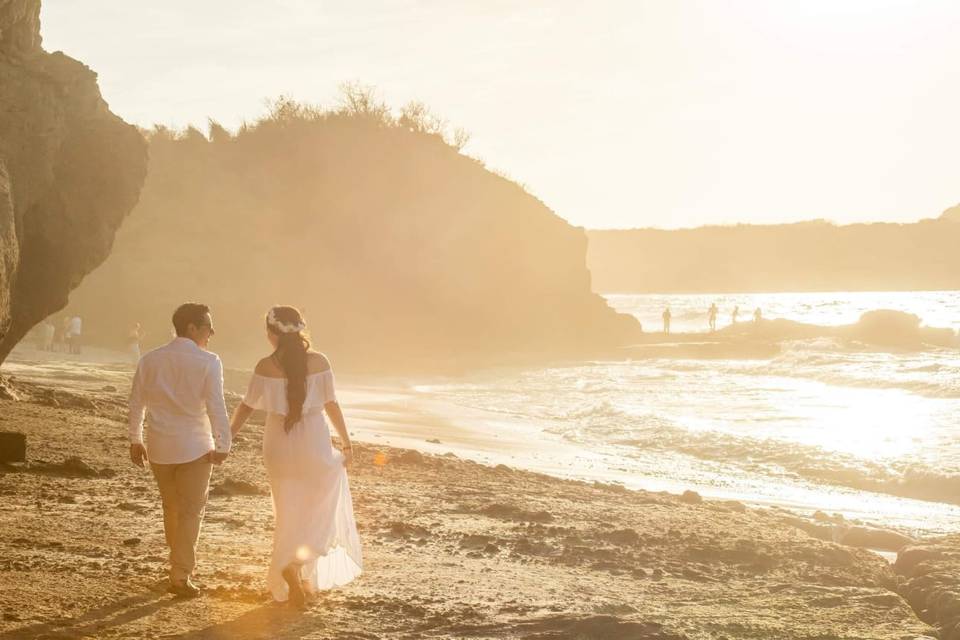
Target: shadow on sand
93	622
273	621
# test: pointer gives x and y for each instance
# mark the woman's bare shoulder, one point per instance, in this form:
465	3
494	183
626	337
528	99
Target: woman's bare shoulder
317	362
268	367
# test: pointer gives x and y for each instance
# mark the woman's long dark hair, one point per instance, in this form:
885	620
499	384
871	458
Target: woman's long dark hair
291	355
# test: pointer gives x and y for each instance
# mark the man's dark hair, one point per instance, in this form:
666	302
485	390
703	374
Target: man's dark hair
189	313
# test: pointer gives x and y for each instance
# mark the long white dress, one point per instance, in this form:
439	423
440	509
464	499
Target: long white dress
312	508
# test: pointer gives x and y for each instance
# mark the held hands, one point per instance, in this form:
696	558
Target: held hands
216	457
138	454
347	456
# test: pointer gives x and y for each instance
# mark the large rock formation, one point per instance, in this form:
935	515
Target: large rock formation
930	582
9	250
403	252
69	172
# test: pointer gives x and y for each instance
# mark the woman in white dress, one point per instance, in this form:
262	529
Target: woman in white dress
315	540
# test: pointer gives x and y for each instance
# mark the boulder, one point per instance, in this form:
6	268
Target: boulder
909	558
929	581
13	447
872	538
70	171
888	327
411	456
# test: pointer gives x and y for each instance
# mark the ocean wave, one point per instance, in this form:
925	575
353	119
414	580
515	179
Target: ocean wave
948	388
841	365
736	416
644	434
600	410
927	368
775	457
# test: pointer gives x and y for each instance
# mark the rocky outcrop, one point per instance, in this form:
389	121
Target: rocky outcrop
403	253
19	26
877	328
70	171
930	582
9	249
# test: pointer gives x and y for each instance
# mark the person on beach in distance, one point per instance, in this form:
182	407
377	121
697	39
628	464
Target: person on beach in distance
60	340
712	317
134	339
736	312
757	315
47	331
666	320
74	331
315	540
177	387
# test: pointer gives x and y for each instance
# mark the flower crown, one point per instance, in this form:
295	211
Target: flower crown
284	327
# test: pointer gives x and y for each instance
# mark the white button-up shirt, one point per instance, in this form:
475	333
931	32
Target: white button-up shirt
180	389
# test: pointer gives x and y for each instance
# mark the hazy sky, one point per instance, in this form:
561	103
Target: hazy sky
666	113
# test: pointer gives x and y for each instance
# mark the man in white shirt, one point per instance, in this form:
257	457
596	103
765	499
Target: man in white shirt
180	389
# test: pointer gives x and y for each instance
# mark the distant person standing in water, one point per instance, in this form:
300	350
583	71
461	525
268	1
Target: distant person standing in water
736	312
666	320
757	315
712	317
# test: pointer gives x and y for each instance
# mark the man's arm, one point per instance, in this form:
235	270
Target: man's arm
217	411
135	420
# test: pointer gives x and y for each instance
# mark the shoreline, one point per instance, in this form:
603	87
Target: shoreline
388	411
453	549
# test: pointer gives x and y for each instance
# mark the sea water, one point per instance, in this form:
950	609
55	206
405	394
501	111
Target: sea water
831	425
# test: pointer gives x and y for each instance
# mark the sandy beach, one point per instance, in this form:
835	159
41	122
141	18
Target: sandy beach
643	318
453	548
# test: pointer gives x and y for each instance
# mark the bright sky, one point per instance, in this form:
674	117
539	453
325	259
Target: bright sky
616	113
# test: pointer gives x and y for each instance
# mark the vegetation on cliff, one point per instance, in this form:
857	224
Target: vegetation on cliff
400	249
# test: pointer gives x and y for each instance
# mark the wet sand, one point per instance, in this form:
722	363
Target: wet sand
453	548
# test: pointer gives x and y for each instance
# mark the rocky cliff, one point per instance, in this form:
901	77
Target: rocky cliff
402	251
70	171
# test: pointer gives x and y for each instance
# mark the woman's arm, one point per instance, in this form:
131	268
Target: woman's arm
240	415
336	417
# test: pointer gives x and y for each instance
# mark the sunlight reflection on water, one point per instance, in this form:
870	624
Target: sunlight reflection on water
821	425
